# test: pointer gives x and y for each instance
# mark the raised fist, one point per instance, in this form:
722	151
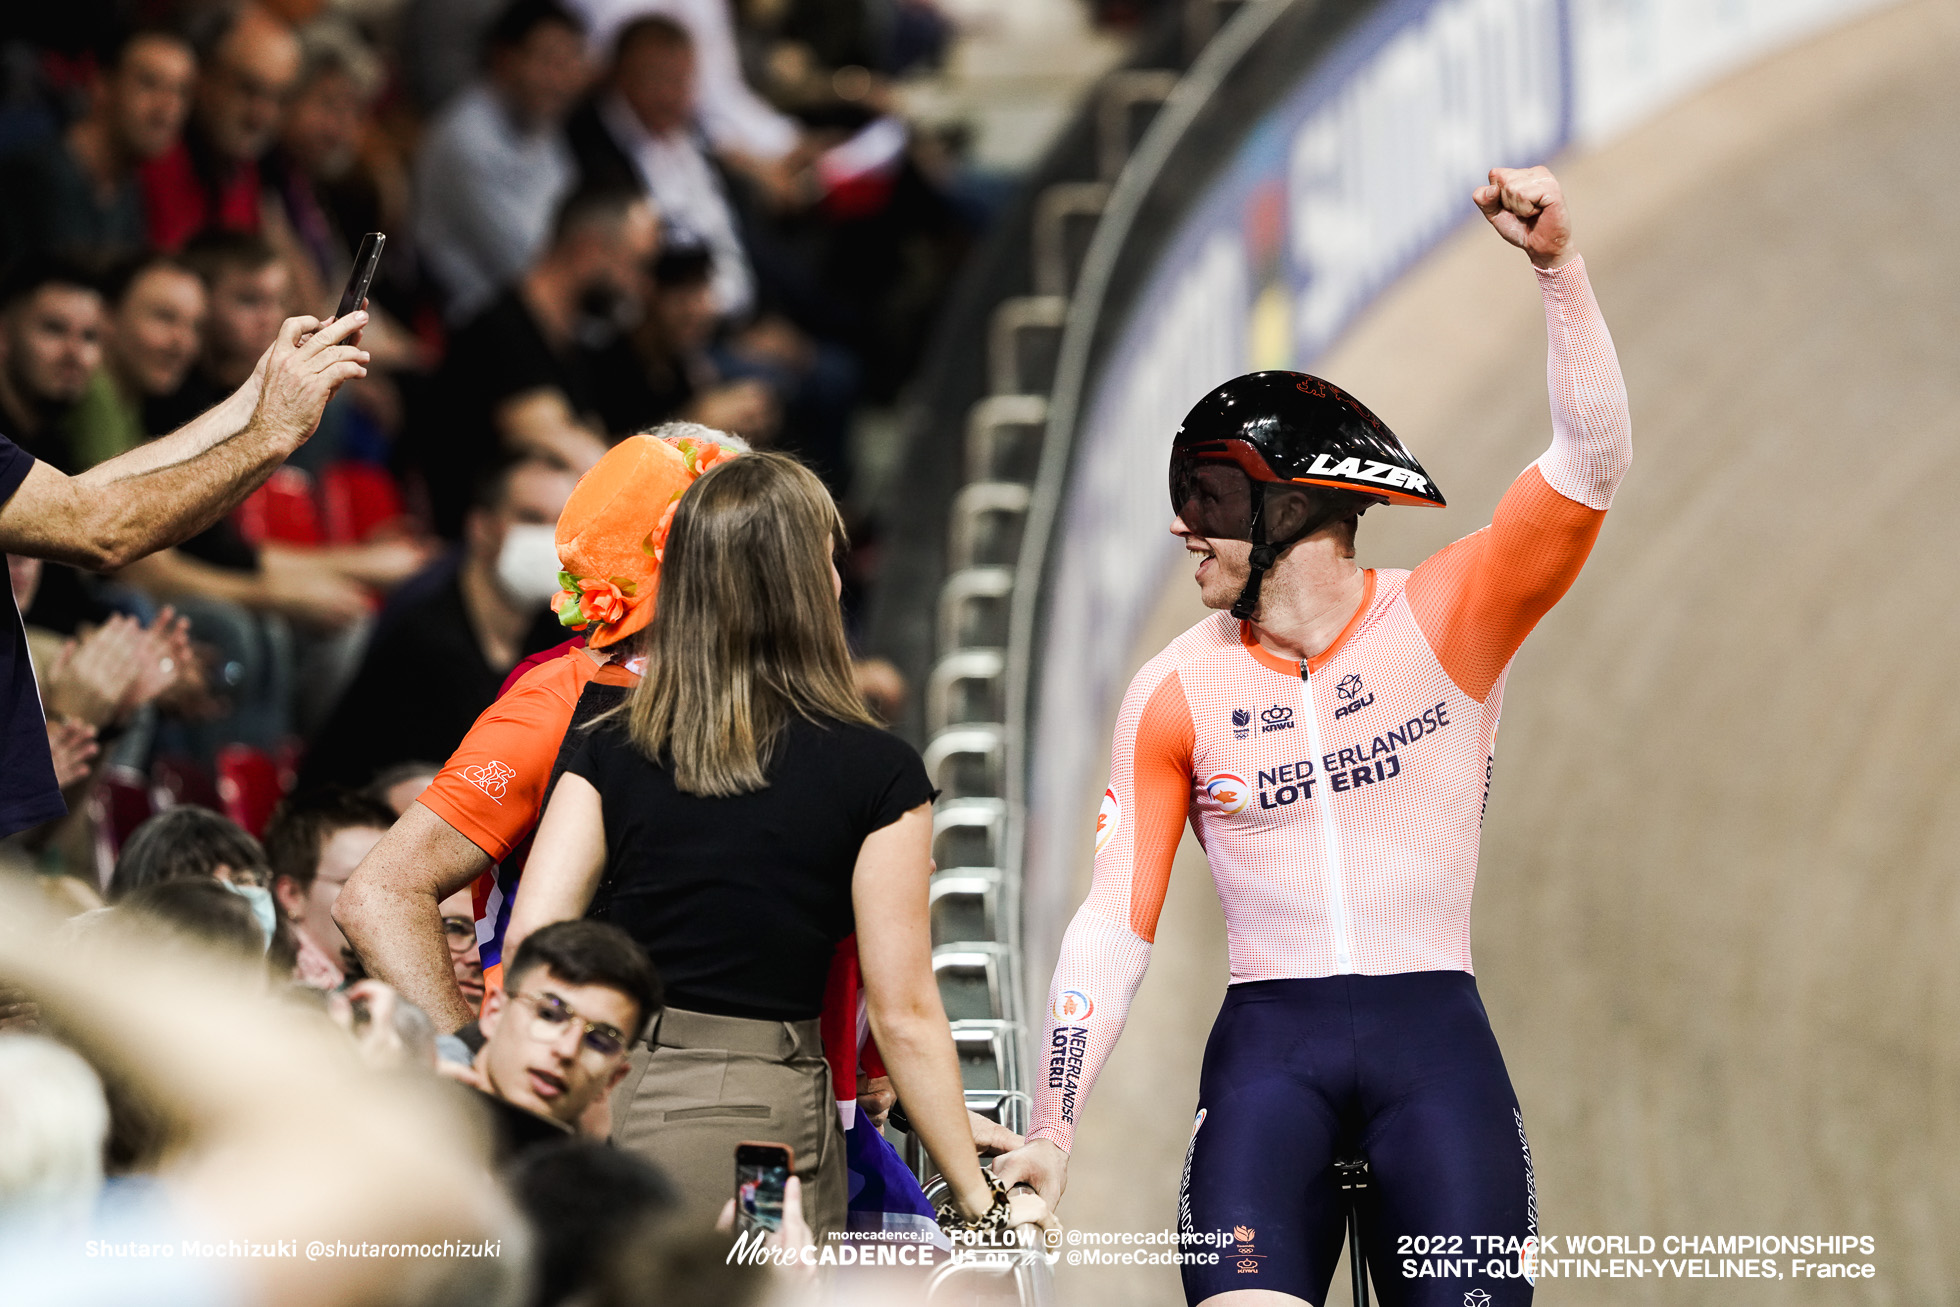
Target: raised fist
1528	209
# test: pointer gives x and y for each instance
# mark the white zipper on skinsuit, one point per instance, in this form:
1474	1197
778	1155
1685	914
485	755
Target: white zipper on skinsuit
1330	839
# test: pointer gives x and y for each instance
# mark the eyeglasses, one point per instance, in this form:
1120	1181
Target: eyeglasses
550	1016
460	932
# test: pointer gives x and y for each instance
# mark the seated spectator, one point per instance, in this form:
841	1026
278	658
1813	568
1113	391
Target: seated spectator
240	596
335	176
207	915
642	127
494	164
248	61
51	325
524	378
673	342
77	192
97	682
318	151
465	954
444	646
739	123
157	308
248	288
185	843
313	844
556	1036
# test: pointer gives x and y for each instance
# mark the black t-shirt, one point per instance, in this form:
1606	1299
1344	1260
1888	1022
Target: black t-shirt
28	794
741	901
421	684
500	354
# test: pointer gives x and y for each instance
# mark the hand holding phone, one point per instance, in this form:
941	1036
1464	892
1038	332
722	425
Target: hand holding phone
355	296
761	1172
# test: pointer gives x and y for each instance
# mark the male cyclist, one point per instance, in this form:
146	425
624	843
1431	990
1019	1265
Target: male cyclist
1329	738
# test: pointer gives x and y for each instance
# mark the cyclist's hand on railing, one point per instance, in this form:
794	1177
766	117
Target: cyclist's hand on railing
1031	1218
991	1137
875	1097
1039	1164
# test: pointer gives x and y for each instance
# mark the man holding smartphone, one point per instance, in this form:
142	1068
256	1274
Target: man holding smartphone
1331	738
149	498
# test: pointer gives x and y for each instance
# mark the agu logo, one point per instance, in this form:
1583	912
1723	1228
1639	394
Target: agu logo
1108	819
1073	1006
1229	792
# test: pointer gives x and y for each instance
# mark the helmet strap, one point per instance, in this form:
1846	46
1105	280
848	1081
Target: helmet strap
1265	555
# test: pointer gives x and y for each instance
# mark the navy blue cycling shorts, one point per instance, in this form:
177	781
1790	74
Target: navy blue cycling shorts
1404	1071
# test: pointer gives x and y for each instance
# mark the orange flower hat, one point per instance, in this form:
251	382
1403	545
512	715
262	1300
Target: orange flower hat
613	532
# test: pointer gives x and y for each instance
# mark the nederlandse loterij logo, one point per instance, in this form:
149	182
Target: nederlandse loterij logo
491	778
1229	792
1279	717
1073	1006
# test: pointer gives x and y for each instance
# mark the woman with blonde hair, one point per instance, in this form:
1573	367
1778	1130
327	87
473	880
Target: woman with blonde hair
739	815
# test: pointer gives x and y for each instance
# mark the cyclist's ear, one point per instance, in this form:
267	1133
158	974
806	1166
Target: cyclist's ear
1288	511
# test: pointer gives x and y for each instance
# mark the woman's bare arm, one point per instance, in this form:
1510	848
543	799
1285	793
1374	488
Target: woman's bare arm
567	858
888	891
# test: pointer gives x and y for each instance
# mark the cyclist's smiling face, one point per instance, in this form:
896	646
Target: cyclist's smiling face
1223	565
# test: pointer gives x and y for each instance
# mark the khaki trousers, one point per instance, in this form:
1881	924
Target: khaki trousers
701	1084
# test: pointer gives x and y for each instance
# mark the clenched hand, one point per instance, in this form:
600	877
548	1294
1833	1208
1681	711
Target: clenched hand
1527	208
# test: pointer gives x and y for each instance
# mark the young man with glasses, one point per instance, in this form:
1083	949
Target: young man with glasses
557	1034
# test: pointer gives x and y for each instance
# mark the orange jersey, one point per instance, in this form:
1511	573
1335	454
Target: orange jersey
492	788
1340	801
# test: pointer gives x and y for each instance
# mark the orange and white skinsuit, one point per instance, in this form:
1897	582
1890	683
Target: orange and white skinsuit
1340	803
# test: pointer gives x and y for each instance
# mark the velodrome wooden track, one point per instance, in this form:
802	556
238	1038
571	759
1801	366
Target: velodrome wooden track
1718	924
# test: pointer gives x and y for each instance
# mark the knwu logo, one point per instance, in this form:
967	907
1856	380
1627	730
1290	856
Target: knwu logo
1349	688
1279	717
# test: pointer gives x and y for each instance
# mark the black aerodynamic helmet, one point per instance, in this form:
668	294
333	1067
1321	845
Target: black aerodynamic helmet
1271	457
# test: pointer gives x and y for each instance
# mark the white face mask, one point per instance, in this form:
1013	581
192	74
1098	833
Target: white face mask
527	565
262	909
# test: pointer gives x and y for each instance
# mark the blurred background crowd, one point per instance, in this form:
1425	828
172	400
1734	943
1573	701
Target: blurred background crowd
601	215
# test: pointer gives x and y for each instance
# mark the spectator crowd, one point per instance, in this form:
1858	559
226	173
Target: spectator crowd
629	242
601	215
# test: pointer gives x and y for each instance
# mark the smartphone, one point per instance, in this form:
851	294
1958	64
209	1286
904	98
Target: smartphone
761	1171
363	275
